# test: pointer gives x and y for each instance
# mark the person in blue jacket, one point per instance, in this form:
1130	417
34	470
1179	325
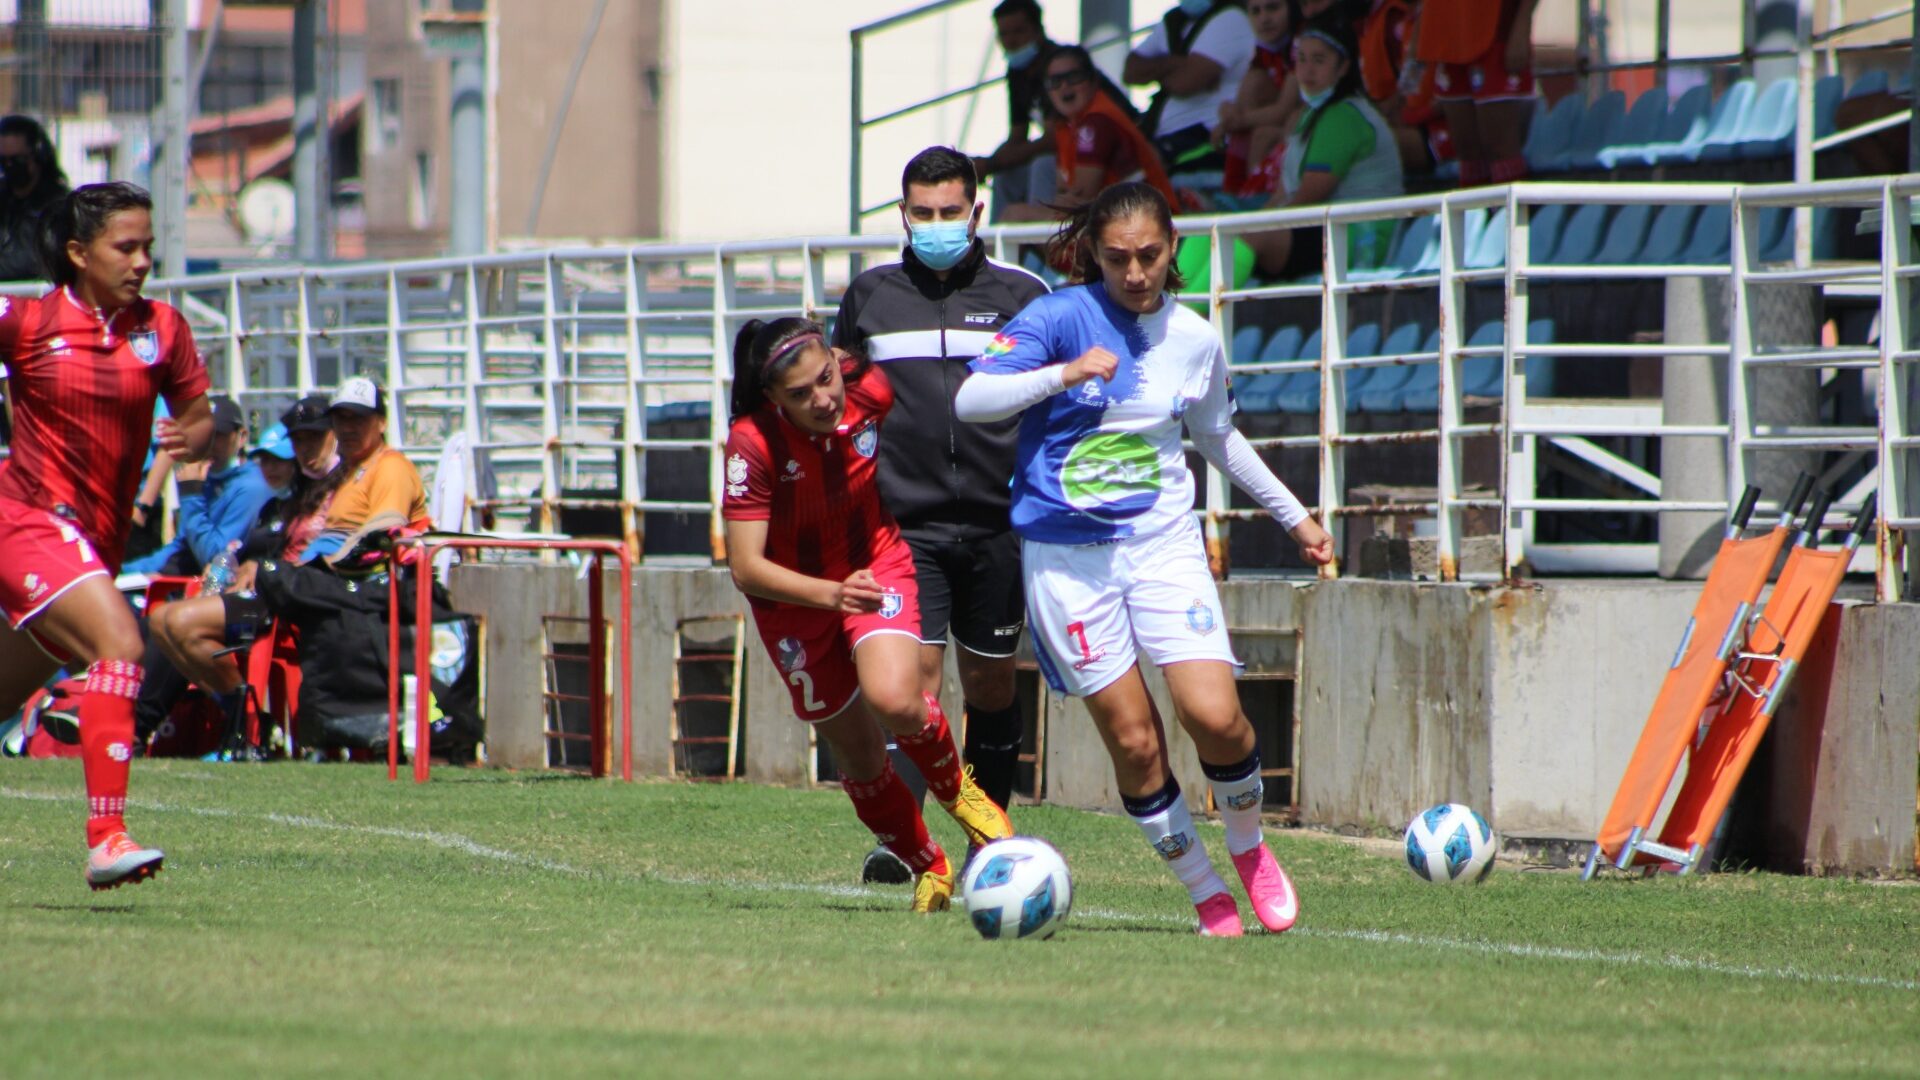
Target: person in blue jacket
217	507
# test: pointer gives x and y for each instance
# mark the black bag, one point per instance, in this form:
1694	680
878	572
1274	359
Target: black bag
1182	31
343	657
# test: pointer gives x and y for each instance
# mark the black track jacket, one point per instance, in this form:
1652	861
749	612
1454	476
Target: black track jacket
943	478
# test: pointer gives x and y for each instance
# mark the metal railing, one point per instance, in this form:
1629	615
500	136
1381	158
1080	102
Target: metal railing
595	380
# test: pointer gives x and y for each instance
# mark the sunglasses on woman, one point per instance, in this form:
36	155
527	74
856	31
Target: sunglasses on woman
1067	78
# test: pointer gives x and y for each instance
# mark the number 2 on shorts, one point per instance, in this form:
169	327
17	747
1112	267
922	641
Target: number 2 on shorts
805	682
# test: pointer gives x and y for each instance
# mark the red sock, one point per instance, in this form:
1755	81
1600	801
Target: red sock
931	749
886	805
106	743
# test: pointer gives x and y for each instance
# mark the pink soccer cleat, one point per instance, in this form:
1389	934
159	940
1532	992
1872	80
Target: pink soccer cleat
117	861
1268	889
1219	916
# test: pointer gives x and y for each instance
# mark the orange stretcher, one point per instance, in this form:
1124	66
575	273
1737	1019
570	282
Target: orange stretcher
1765	668
1708	645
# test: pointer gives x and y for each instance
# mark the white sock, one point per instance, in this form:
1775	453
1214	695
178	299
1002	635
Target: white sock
1238	801
1169	831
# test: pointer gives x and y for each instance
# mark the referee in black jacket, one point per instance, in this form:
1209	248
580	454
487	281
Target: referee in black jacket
946	482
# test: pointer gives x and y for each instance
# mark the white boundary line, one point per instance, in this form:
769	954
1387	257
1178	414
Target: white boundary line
467	846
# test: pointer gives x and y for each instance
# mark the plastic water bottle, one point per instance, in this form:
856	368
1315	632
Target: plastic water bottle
219	574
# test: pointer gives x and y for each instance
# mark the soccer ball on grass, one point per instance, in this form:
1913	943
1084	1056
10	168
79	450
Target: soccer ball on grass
1450	843
1017	888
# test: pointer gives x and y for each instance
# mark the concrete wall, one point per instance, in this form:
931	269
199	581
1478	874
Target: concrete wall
1522	701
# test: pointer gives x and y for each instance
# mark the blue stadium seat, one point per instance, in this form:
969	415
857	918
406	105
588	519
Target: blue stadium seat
1480	376
1826	102
1256	393
1722	135
1543	234
1283	345
1776	234
1297	382
1869	82
1580	241
1598	129
1768	131
1409	243
1640	126
1712	239
1549	138
1489	248
1389	385
1302	393
1540	368
1687	122
1667	239
1625	236
1245	347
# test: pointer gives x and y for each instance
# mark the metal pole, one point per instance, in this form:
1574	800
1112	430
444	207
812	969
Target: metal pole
468	88
857	132
1913	72
559	123
309	154
1803	133
170	181
1662	39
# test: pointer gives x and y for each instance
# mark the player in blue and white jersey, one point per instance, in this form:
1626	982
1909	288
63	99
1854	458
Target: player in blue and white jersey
1107	374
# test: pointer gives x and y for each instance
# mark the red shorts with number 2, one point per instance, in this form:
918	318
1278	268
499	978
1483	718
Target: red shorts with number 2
42	555
813	648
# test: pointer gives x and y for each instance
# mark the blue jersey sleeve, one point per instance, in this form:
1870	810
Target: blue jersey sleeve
1026	343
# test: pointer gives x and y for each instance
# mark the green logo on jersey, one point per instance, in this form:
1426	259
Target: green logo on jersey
1108	467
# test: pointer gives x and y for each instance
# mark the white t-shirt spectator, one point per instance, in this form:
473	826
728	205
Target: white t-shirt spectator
1227	40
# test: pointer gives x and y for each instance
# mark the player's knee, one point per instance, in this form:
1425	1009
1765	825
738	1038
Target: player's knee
119	644
898	708
1137	747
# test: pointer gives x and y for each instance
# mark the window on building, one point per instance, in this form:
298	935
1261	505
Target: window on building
420	202
384	131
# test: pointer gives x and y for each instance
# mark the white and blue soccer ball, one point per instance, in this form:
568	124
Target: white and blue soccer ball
1017	888
1450	843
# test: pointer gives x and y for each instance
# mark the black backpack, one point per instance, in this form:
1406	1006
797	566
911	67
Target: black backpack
1182	31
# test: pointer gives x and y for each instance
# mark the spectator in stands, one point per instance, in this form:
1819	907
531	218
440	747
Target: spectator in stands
1482	55
1341	150
376	482
1252	127
30	181
219	499
1095	143
1197	54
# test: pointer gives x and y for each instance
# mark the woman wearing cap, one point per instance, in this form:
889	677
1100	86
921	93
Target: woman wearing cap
371	481
85	364
219	499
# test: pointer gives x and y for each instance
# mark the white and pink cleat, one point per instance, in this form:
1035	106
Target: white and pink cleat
1219	916
1270	891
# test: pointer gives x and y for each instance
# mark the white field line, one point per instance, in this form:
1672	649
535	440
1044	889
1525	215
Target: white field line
466	846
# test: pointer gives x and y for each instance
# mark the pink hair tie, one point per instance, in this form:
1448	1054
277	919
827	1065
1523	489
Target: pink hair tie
800	342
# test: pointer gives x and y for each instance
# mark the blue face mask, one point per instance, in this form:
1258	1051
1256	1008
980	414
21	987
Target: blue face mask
1195	8
940	245
1314	101
1022	56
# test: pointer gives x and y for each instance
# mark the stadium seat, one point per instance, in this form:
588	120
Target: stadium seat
1640	126
1256	393
1245	347
1551	137
1413	239
1540	368
1869	82
1768	131
1776	234
1543	233
1667	239
1296	382
1712	239
1826	102
1388	388
1479	376
1301	396
1283	345
1625	236
1598	129
1722	136
1686	123
1580	241
1488	248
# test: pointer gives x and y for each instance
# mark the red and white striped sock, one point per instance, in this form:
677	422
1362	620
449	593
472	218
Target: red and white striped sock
932	751
886	805
106	743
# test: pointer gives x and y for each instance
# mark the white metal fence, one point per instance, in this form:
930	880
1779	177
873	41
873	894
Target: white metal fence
593	381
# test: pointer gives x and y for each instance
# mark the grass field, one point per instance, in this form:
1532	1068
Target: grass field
321	920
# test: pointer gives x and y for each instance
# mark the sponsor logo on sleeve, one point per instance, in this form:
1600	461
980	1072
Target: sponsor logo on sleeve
1001	345
1083	137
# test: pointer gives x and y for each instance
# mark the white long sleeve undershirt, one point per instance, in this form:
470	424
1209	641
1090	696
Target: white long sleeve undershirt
1230	452
995	397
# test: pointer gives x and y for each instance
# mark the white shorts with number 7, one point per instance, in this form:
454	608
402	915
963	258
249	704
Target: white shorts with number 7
1093	608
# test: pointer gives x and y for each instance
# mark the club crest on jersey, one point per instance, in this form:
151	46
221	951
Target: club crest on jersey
146	345
736	475
891	604
1200	618
793	654
867	439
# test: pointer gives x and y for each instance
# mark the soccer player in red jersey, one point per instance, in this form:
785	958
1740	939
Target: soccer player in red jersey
831	585
85	363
